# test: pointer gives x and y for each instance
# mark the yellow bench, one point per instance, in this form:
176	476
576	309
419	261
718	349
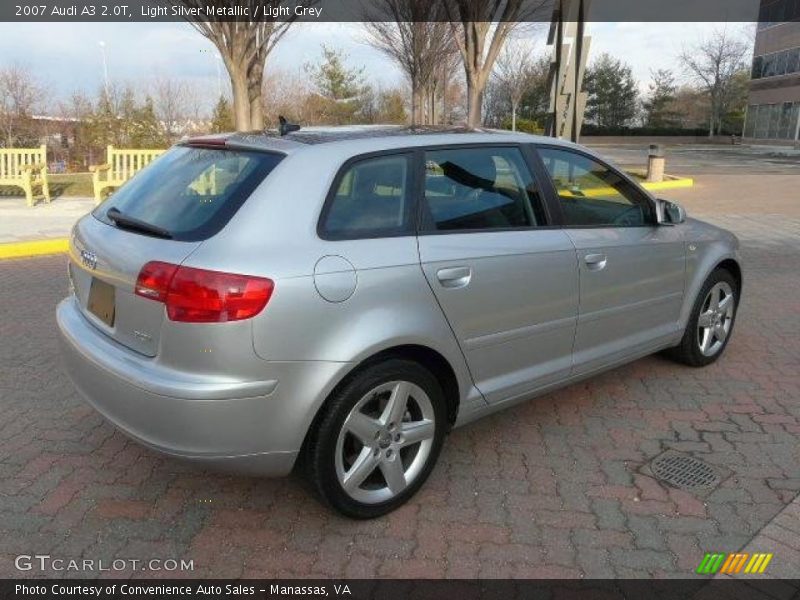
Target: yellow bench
25	168
120	166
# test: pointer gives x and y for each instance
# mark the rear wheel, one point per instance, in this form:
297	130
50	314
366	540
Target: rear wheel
711	322
378	439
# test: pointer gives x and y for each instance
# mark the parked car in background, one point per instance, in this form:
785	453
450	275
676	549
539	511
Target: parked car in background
342	298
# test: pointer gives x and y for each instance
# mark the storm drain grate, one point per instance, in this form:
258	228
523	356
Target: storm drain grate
683	471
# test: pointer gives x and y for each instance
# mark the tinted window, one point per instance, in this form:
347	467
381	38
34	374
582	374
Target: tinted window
191	192
758	63
770	63
780	62
480	188
371	199
591	194
750	121
793	62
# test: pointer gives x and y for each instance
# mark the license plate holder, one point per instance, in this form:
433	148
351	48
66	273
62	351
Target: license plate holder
102	301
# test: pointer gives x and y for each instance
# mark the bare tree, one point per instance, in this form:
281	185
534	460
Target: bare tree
443	73
20	92
514	73
171	102
713	64
412	34
480	29
244	47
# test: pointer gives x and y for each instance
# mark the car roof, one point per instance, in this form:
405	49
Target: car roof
356	139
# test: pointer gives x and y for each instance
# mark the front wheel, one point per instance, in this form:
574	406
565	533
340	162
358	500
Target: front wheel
711	323
378	439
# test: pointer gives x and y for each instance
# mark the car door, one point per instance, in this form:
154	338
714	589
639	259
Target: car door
504	277
631	269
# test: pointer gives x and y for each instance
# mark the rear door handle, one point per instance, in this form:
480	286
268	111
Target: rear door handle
454	277
595	262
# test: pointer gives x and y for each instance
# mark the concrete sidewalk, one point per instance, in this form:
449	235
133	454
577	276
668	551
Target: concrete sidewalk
21	223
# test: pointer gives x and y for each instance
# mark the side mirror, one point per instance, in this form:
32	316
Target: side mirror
670	213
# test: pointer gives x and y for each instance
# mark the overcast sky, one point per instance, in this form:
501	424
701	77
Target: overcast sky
67	56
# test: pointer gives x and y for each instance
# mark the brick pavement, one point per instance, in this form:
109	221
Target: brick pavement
550	488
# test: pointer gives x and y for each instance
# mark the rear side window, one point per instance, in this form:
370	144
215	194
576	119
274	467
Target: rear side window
370	199
191	192
480	188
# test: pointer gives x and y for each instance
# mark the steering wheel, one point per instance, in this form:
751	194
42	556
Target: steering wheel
630	217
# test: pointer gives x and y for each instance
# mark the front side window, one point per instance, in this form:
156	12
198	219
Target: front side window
370	200
593	195
469	189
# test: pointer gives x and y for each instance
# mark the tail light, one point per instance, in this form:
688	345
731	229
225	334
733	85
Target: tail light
201	296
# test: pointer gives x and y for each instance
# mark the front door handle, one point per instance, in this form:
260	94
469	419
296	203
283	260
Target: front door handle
454	277
595	262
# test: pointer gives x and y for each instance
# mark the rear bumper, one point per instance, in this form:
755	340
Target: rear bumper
253	427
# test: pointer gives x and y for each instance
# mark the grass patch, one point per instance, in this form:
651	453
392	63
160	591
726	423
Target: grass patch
68	185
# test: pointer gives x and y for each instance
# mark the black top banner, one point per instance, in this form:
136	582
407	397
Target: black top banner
145	11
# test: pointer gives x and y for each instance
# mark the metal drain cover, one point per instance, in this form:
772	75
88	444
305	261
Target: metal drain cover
684	471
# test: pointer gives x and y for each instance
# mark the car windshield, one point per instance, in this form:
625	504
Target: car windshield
189	192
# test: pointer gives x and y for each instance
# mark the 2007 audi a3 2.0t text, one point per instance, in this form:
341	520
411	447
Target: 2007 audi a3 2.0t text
341	298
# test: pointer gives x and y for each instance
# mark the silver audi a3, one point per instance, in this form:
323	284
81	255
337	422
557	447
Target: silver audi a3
341	298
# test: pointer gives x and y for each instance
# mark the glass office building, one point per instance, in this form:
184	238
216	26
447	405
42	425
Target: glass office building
773	111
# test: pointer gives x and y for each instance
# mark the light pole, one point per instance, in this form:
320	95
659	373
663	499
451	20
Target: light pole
102	45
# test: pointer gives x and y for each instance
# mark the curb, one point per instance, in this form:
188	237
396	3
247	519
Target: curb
34	248
671	183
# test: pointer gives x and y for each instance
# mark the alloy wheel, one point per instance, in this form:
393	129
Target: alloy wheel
385	442
715	319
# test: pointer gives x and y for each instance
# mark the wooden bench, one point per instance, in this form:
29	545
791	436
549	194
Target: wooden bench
25	168
120	166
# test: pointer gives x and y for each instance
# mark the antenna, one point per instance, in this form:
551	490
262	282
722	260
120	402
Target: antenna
285	127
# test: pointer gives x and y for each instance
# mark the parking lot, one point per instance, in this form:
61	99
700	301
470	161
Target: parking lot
556	487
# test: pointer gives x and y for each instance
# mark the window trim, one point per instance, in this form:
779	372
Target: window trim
371	234
425	226
553	196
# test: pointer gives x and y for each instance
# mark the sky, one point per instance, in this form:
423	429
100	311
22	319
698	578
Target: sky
67	57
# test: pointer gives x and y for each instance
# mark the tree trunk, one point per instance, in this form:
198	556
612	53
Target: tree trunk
474	102
712	120
513	116
255	85
241	98
416	105
256	110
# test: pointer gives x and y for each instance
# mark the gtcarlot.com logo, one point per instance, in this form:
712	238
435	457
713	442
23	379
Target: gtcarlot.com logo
45	562
734	563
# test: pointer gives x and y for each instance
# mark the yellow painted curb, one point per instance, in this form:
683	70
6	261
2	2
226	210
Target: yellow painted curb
668	184
34	248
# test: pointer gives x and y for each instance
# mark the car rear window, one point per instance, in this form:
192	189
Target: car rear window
191	192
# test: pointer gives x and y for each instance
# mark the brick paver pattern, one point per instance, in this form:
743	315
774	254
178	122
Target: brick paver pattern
550	488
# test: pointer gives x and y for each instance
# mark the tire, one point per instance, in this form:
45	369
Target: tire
695	349
359	444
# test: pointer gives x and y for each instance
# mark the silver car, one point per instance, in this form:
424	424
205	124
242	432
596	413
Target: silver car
342	298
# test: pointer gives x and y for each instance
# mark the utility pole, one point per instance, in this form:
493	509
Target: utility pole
102	45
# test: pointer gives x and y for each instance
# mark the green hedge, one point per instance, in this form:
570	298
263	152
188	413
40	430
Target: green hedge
589	129
523	125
